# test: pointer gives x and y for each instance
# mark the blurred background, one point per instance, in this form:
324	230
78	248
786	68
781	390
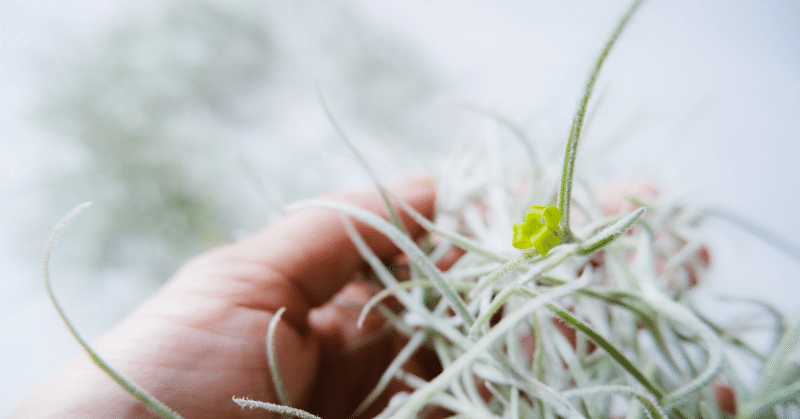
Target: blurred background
189	123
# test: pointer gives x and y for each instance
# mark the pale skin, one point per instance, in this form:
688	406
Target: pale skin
201	339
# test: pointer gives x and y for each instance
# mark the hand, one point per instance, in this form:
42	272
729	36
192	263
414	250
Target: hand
201	339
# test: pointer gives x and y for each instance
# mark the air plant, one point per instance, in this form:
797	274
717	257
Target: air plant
580	311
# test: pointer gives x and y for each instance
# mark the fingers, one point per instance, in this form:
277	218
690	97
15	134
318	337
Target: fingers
355	358
310	249
336	322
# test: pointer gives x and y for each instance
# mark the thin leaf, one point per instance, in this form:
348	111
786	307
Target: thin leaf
275	408
457	239
390	281
420	397
621	359
787	247
153	404
397	363
645	262
609	234
775	368
577	125
511	126
415	254
272	358
761	406
539	265
405	285
651	405
363	161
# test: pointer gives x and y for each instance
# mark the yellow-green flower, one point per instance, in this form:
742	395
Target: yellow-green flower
540	229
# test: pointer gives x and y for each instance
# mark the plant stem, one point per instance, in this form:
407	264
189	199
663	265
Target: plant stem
577	127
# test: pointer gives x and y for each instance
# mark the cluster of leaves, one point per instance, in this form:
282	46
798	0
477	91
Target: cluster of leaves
602	326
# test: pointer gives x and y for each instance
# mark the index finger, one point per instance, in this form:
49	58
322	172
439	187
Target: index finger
311	251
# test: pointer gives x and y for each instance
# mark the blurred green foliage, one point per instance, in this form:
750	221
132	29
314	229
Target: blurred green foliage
145	105
158	106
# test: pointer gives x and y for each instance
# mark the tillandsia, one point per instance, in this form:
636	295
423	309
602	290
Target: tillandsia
581	311
600	326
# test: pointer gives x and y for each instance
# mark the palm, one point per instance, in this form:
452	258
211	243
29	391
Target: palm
327	369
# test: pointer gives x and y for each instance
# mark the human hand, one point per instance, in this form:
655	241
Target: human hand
201	339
